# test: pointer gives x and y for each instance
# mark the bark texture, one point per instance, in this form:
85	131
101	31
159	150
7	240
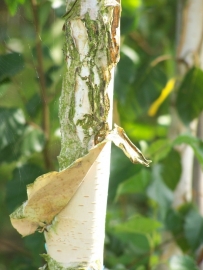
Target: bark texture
91	50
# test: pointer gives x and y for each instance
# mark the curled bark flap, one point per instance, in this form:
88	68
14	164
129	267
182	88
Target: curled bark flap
120	139
51	192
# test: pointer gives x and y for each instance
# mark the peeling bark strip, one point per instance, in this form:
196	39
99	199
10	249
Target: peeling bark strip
51	192
91	50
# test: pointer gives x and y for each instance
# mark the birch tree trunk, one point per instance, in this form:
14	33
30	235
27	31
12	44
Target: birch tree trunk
76	237
70	205
189	53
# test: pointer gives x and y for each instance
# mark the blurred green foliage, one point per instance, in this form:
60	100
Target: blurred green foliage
140	221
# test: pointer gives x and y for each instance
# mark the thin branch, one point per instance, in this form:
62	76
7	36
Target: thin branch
160	59
42	83
142	43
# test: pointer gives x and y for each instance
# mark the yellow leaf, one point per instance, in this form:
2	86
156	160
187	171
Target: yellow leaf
164	93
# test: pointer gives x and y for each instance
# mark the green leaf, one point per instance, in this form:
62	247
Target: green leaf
130	53
140	242
157	190
131	4
148	85
3	87
174	221
31	141
13	5
182	263
33	105
12	123
10	153
124	74
44	12
194	142
142	267
159	149
10	65
138	224
189	99
143	131
121	169
16	188
52	75
171	169
152	3
135	184
194	228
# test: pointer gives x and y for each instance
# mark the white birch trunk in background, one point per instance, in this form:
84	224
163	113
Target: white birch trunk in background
189	53
76	237
189	38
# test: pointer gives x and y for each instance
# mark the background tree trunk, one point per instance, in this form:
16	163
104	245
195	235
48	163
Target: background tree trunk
189	53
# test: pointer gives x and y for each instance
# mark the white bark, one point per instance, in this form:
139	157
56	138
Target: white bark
76	237
189	53
190	31
77	234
